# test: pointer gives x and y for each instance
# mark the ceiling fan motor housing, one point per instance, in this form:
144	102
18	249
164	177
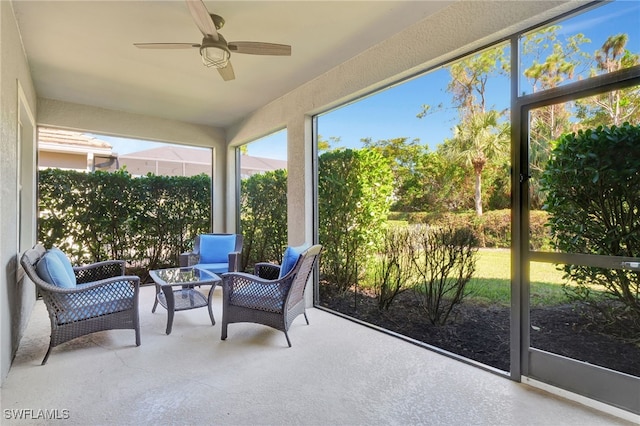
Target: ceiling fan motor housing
215	53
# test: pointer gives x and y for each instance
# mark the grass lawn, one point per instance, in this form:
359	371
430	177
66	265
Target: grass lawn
491	282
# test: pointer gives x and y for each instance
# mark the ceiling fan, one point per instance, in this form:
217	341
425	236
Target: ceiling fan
214	49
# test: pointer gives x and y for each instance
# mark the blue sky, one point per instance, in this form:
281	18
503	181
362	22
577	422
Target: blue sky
392	113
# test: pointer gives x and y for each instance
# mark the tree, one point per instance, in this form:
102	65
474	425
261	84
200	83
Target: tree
325	145
403	157
437	184
554	61
478	139
617	106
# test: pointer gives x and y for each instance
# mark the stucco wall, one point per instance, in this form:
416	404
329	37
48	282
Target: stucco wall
16	298
62	160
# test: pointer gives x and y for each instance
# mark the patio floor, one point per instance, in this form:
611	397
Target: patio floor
336	373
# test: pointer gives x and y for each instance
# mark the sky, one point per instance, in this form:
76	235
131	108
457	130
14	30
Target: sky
392	113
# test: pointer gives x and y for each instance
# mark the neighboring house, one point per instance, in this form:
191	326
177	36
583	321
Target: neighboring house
253	165
76	151
185	161
70	150
167	160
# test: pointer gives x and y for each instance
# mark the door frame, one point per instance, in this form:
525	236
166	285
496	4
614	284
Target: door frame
599	383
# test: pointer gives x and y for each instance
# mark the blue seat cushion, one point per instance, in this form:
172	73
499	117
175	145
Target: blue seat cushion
216	268
289	259
53	270
216	248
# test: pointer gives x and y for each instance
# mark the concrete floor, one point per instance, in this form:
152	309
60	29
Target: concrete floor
336	373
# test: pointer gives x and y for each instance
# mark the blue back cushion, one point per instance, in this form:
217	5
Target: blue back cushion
65	262
54	268
289	259
216	248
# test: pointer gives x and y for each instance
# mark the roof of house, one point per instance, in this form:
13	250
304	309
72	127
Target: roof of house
167	160
196	156
58	140
171	153
261	164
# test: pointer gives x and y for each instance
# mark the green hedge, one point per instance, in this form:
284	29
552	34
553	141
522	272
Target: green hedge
593	187
492	229
263	217
147	221
354	197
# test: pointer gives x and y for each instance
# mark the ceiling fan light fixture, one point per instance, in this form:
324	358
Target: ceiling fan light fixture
215	56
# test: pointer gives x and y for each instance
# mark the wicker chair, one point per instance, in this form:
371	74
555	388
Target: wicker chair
268	301
103	299
223	256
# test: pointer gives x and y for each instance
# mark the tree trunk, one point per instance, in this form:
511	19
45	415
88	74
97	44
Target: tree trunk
478	166
478	194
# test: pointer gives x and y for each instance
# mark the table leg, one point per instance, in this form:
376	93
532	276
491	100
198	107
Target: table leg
213	287
155	302
171	305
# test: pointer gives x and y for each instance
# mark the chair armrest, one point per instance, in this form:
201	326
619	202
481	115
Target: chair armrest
232	281
132	280
269	271
236	281
99	271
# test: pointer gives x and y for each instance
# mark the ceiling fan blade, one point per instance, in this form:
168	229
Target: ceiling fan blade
202	18
227	72
258	48
165	45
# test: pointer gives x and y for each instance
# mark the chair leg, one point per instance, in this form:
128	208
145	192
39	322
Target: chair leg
138	336
287	336
46	356
305	317
224	331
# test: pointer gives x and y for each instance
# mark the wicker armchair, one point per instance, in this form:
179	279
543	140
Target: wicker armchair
103	299
271	302
217	253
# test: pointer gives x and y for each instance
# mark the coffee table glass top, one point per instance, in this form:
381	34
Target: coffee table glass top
186	297
188	275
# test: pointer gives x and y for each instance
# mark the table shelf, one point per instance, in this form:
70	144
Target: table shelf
187	298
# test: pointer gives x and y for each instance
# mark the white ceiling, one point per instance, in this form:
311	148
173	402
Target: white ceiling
82	51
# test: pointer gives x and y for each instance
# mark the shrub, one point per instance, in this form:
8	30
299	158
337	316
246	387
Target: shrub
392	271
593	187
354	195
445	262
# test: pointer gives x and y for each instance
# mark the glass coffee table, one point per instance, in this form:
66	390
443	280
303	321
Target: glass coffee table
186	296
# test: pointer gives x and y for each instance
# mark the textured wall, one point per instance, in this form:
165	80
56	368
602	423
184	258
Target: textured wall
16	298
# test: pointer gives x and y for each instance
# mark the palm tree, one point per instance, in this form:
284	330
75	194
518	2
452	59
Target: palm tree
479	138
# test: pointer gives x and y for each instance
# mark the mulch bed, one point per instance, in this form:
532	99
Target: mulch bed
481	333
